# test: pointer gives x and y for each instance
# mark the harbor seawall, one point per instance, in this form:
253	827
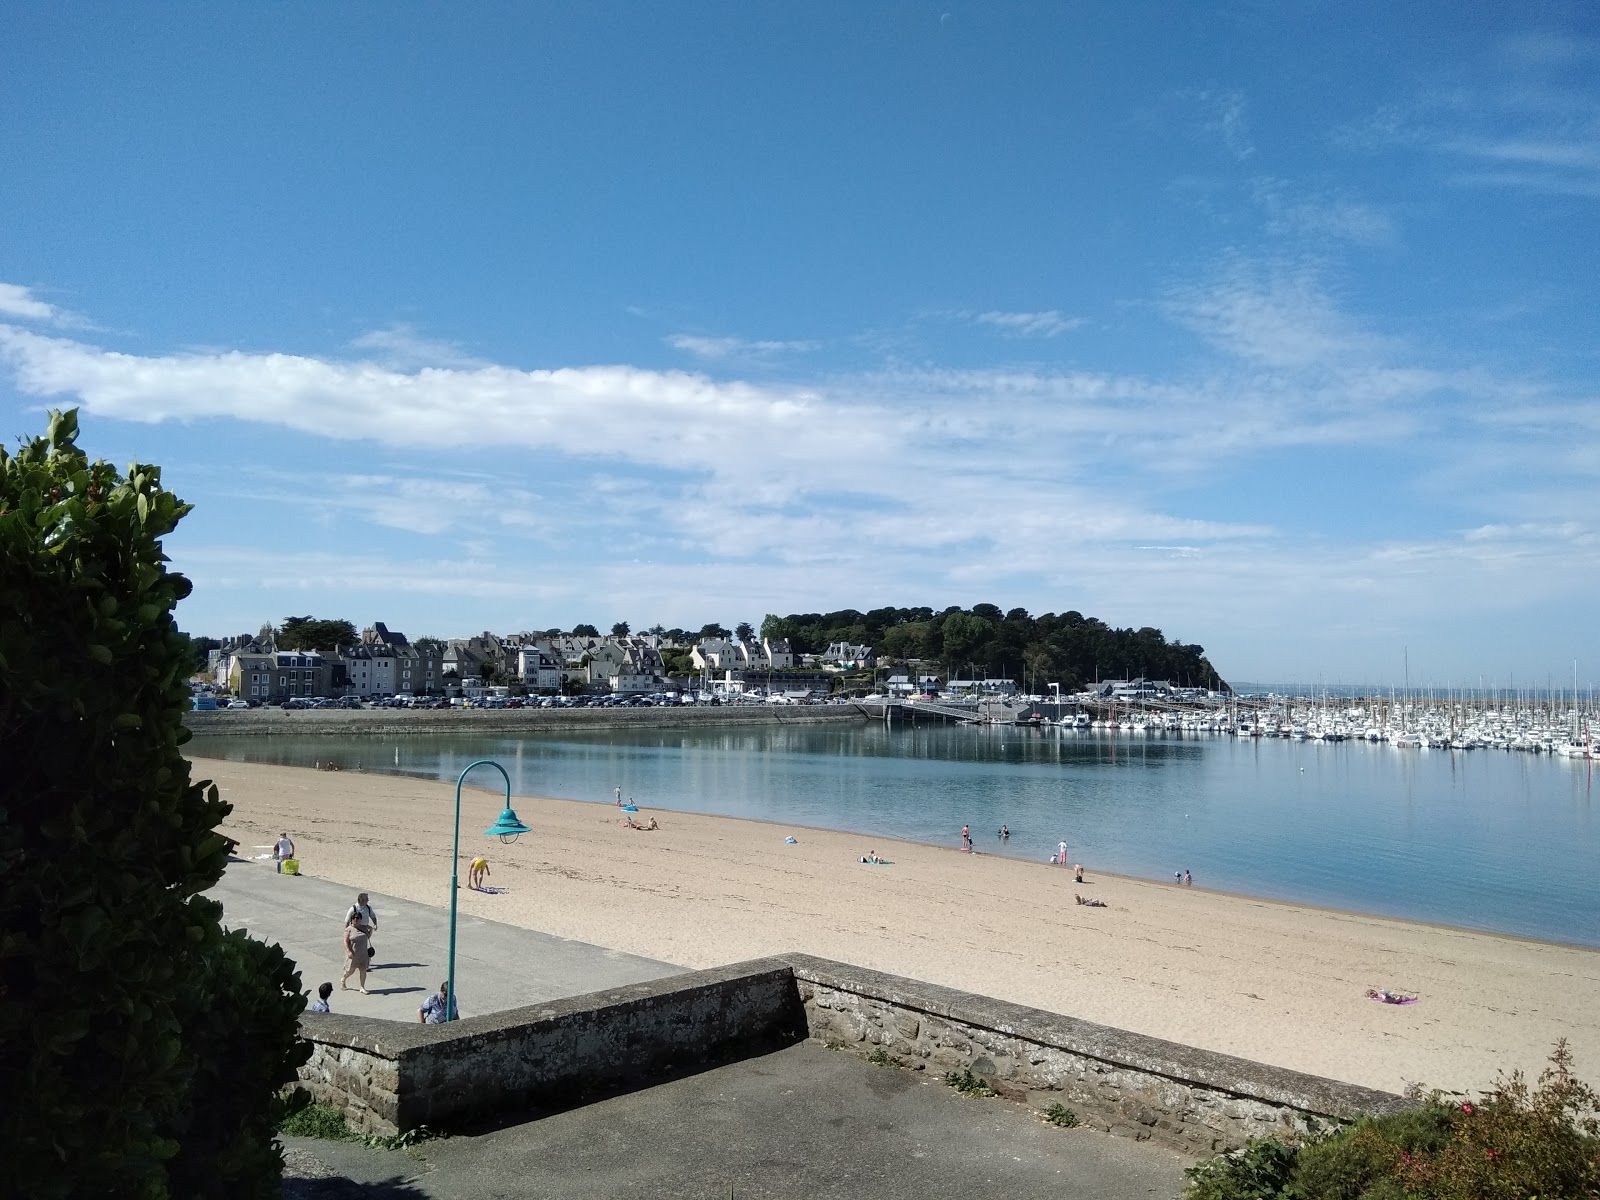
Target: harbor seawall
393	722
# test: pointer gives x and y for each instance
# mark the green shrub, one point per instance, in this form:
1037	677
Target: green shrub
317	1121
109	1034
240	1035
1260	1170
323	1121
1060	1114
1515	1143
880	1057
969	1084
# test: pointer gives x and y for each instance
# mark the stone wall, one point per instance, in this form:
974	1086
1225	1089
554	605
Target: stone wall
388	1076
1125	1083
392	722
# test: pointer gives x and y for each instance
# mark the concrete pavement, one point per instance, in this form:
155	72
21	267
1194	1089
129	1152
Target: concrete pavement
497	966
802	1123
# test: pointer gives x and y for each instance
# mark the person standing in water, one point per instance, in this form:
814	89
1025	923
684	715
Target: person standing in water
966	838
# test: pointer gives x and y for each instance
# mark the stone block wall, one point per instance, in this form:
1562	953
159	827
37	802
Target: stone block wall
387	1076
358	1079
1193	1100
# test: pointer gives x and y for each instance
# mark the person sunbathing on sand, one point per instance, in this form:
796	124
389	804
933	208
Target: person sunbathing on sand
1088	902
1387	997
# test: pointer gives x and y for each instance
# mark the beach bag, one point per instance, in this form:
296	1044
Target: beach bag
291	866
372	952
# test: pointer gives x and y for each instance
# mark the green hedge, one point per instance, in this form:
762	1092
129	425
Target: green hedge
1515	1143
123	1006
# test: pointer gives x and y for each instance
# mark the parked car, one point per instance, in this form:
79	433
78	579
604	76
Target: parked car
237	704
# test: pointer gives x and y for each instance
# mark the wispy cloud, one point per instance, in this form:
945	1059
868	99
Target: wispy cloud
19	303
1047	324
1276	314
1223	115
1294	211
402	348
718	349
1522	121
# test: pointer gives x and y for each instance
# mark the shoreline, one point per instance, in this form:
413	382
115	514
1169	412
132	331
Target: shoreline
1268	980
1255	897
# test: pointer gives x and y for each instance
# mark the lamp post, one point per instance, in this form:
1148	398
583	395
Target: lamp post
506	828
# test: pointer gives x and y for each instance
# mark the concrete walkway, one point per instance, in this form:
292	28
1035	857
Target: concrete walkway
497	966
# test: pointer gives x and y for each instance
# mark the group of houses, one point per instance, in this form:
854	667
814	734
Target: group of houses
384	662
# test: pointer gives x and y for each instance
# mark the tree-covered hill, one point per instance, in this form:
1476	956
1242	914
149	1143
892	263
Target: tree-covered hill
1067	648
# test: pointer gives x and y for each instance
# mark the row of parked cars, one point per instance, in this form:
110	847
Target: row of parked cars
660	699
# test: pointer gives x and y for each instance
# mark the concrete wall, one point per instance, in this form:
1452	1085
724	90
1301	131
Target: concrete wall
390	722
389	1077
1194	1100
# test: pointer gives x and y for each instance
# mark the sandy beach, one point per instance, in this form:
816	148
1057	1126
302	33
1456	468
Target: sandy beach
1278	983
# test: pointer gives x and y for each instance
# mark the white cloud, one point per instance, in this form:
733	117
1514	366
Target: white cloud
21	304
1049	323
672	419
720	348
1049	488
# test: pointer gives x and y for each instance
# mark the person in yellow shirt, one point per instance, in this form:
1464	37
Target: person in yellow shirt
477	873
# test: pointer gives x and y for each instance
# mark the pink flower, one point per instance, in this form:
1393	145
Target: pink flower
1468	1109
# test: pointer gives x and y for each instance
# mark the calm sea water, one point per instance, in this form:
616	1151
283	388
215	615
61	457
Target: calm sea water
1485	839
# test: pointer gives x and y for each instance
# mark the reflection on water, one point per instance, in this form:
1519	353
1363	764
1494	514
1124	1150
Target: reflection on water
1480	838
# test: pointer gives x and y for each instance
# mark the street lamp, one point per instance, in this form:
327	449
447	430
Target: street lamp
506	828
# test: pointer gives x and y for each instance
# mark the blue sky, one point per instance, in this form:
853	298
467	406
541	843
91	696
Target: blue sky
1273	325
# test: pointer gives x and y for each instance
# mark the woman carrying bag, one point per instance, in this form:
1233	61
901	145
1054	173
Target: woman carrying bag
355	952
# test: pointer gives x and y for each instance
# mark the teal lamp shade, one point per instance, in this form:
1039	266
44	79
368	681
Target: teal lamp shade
507	827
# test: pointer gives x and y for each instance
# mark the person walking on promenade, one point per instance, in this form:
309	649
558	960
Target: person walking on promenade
439	1007
283	850
355	952
320	1004
477	873
363	908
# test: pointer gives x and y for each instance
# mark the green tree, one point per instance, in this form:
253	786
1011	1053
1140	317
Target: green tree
620	629
309	633
743	631
585	631
711	631
121	998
